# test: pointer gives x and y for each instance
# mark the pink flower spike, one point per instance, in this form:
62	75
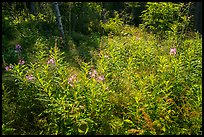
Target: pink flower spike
72	80
30	77
101	78
18	47
10	66
7	68
173	51
51	61
94	73
21	62
90	73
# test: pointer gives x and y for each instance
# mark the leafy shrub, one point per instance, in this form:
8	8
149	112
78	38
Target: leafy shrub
41	81
162	16
113	25
24	29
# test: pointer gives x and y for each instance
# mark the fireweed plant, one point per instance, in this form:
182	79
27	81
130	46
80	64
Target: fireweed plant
134	84
17	50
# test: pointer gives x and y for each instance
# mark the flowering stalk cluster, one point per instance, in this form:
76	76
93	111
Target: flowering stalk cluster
51	61
21	62
8	67
71	80
94	74
18	48
173	51
30	77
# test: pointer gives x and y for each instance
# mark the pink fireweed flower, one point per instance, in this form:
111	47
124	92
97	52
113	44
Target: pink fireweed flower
71	80
106	56
30	77
21	62
93	73
11	66
51	61
101	78
7	68
70	84
18	47
173	51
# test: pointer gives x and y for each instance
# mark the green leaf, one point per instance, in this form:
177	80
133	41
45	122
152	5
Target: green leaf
80	131
164	129
128	121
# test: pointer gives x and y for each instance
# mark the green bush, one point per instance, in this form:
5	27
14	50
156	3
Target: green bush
166	16
113	25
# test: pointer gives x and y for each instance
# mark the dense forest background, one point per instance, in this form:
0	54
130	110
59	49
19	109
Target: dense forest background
83	16
132	68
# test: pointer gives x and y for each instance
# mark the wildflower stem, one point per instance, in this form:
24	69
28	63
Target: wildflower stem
4	63
18	55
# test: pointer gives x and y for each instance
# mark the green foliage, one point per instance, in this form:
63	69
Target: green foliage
137	73
22	28
127	82
166	16
113	25
132	12
85	16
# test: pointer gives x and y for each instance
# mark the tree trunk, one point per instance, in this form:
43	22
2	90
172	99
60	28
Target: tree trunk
198	17
33	8
59	19
70	6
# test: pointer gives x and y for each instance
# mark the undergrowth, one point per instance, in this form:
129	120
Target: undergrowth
126	81
131	85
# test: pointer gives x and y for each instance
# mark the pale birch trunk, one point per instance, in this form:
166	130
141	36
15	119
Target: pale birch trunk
59	19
